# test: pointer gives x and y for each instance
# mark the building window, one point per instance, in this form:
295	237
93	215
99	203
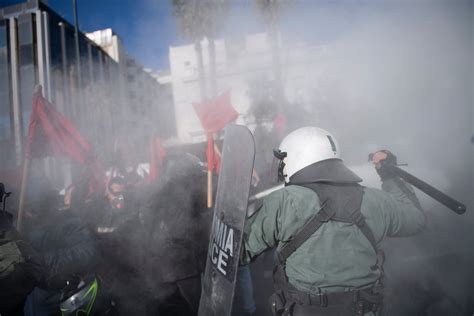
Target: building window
27	63
6	156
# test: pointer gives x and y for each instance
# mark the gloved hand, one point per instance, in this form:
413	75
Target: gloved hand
382	158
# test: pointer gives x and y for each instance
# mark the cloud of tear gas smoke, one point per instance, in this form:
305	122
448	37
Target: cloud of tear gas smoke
387	74
399	76
394	75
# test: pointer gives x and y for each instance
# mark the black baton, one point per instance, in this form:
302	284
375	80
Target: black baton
436	194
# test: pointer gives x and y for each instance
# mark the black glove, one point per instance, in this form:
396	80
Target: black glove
383	171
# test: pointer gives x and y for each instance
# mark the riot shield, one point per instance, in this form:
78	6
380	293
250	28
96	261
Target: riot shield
230	211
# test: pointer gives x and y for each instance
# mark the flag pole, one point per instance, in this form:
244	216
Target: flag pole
209	178
24	180
209	188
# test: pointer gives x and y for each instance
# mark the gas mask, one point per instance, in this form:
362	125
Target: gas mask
117	201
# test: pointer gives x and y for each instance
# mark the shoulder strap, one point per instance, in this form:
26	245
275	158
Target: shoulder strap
321	217
354	215
359	220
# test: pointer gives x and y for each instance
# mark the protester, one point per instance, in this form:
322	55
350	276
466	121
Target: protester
119	235
20	269
63	242
178	233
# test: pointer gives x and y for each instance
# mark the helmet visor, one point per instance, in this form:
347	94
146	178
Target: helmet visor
278	160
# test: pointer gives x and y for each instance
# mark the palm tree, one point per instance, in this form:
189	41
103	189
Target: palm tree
196	20
271	11
190	24
216	13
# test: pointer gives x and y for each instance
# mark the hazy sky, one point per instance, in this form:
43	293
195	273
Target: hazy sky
128	19
146	27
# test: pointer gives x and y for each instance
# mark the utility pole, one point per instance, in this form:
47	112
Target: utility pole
78	63
78	53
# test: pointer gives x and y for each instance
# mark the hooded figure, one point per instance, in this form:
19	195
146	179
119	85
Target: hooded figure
327	228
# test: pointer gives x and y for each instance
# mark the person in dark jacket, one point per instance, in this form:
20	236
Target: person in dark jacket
119	233
178	229
64	244
20	270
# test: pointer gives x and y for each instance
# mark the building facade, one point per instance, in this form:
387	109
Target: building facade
245	67
37	46
148	109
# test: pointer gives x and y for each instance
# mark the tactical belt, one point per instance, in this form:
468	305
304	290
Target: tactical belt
325	299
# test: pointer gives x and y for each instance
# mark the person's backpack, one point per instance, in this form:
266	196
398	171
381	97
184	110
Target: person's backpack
19	270
10	254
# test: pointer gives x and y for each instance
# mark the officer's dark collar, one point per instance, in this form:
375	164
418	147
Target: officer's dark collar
330	171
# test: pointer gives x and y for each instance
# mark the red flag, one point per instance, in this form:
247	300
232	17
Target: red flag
158	154
52	134
214	115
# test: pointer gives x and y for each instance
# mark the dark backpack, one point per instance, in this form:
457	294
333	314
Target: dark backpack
19	271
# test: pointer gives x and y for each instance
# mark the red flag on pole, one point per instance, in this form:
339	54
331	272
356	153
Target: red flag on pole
214	115
52	134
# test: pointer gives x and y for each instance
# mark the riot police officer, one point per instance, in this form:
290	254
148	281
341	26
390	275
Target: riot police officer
327	228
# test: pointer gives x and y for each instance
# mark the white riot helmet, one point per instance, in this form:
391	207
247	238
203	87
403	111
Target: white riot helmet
307	146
